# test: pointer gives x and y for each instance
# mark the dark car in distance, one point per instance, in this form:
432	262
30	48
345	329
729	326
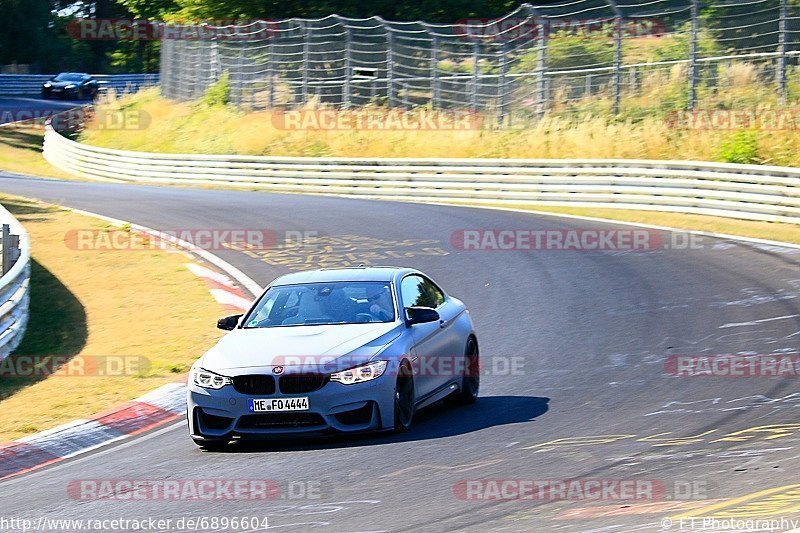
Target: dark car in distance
70	85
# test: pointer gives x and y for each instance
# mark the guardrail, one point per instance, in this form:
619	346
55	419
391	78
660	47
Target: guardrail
14	283
29	85
752	192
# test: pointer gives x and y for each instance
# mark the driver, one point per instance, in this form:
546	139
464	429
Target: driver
380	304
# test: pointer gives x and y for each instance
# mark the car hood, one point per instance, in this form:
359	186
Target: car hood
300	346
62	84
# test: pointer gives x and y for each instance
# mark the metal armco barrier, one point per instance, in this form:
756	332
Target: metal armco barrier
750	192
14	283
31	85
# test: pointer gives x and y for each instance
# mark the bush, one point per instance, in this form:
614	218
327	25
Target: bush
741	147
569	51
219	93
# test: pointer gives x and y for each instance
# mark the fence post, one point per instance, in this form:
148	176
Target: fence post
473	95
215	67
389	67
306	63
346	89
782	49
271	73
695	13
617	54
435	97
241	69
503	111
542	98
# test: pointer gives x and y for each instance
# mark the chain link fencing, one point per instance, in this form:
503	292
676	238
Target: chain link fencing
600	56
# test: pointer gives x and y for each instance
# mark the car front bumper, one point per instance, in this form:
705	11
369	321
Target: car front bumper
225	413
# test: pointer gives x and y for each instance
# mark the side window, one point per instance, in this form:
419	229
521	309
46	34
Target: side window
418	291
433	293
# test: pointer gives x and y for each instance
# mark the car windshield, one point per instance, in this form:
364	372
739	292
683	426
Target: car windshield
69	77
344	302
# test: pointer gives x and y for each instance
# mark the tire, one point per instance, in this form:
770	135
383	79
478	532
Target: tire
404	399
211	445
471	380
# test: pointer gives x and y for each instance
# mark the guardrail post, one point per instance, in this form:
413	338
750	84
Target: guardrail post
617	55
7	247
782	89
695	36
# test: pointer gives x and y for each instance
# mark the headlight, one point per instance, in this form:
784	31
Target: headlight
360	374
47	85
209	380
70	87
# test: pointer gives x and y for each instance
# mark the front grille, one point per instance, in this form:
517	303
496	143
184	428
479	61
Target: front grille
254	384
302	383
280	420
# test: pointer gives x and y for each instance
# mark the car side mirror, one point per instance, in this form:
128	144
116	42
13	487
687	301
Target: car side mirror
420	315
228	322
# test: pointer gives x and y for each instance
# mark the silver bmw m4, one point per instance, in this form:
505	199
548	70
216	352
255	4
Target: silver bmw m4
325	351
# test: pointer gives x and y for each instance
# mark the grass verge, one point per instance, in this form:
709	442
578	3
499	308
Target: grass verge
21	151
144	305
582	132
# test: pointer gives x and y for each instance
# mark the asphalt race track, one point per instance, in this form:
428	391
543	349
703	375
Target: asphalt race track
592	399
13	109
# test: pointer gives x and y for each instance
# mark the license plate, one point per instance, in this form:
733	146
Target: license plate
279	404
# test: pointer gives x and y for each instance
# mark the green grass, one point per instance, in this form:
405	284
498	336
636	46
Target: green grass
122	303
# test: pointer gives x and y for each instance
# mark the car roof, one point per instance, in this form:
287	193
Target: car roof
371	273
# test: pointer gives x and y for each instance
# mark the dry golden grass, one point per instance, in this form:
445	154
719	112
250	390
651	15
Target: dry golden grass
21	151
101	303
196	128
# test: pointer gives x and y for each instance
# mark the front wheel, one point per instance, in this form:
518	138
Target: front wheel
404	399
471	380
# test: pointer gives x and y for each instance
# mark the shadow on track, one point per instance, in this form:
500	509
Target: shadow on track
435	422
